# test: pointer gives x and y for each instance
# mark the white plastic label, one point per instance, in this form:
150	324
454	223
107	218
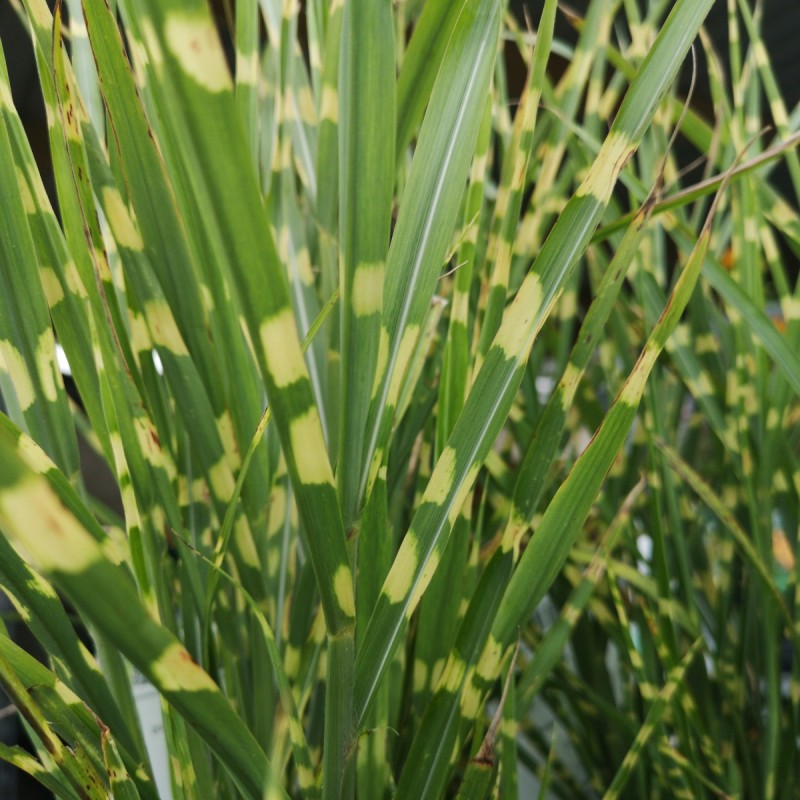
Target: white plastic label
148	706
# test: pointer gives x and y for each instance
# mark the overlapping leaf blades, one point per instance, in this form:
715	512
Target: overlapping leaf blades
207	214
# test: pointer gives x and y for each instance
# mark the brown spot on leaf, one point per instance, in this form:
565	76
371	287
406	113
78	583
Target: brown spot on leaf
727	259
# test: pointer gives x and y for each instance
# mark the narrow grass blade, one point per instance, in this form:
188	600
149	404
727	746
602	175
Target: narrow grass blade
50	624
32	516
248	70
80	774
545	553
657	711
421	64
366	169
496	384
513	180
73	721
120	783
743	541
428	210
63	289
454	380
551	647
27	346
20	759
207	101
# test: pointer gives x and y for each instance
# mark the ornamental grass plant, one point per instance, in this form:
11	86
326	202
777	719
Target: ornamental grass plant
455	427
